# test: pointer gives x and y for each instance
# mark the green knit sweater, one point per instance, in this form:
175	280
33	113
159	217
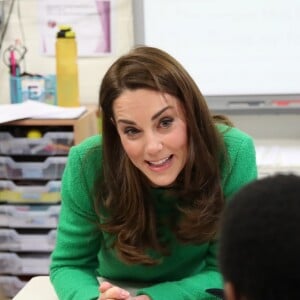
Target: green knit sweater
79	257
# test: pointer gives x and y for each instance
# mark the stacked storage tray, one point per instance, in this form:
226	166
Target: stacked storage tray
51	168
51	143
19	241
18	193
10	285
29	216
30	183
24	264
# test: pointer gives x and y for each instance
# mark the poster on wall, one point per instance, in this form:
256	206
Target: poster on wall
90	19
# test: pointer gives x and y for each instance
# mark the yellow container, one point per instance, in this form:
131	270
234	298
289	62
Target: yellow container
67	68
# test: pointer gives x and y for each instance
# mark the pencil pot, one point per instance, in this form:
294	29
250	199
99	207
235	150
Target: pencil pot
15	87
33	87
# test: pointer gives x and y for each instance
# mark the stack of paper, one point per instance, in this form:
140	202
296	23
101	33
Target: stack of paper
38	110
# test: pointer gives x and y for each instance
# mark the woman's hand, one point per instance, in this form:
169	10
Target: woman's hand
111	292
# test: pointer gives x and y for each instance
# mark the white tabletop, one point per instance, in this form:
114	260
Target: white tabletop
40	287
37	288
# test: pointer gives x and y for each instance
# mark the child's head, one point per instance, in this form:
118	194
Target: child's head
260	240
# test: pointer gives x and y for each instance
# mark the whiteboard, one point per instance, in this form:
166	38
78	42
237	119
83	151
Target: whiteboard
230	47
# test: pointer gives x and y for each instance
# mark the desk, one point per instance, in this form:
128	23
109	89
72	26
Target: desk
40	287
37	288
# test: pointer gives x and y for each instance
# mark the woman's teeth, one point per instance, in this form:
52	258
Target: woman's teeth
160	162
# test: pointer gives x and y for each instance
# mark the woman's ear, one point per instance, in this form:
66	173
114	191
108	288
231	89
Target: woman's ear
230	291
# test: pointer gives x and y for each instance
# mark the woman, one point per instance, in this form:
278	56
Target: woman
142	203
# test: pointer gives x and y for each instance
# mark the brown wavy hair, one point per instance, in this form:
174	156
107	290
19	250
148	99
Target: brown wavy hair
124	200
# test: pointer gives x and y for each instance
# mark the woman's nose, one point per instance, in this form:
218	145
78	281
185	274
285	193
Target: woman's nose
153	143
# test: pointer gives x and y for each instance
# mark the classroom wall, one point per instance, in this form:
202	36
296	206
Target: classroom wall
269	126
91	70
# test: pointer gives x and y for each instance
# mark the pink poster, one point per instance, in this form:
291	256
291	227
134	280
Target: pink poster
91	20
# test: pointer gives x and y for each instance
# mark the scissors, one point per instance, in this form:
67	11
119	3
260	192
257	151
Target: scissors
12	56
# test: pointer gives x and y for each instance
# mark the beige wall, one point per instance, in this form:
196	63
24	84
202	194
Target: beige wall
91	70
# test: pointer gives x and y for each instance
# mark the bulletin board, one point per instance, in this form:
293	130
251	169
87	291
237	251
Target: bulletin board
248	50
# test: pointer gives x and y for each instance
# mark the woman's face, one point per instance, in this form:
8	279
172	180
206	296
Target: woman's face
153	132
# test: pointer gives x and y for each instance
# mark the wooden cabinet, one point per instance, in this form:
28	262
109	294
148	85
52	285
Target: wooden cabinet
82	127
29	197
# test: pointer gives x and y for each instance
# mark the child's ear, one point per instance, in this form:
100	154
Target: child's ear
230	292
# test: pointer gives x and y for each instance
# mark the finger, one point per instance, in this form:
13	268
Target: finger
104	286
115	293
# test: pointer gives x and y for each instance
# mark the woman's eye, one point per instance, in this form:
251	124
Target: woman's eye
130	131
166	122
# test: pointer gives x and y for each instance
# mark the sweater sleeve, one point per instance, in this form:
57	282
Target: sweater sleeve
190	288
242	170
74	259
242	167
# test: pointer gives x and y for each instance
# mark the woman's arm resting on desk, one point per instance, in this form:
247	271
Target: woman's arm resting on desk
190	288
74	259
109	291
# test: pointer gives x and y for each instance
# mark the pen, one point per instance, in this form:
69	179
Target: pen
286	103
12	63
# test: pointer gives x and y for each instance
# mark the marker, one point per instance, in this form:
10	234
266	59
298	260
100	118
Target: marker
286	103
12	63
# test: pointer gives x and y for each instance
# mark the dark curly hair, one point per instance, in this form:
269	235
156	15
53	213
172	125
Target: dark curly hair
259	243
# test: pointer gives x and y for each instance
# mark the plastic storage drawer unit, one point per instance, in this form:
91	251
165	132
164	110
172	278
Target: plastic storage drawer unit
11	240
51	168
13	193
52	143
24	264
10	285
25	216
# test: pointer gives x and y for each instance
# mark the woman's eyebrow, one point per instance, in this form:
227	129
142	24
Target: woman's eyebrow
128	122
155	116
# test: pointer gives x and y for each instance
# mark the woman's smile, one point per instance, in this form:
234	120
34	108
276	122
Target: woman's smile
161	165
